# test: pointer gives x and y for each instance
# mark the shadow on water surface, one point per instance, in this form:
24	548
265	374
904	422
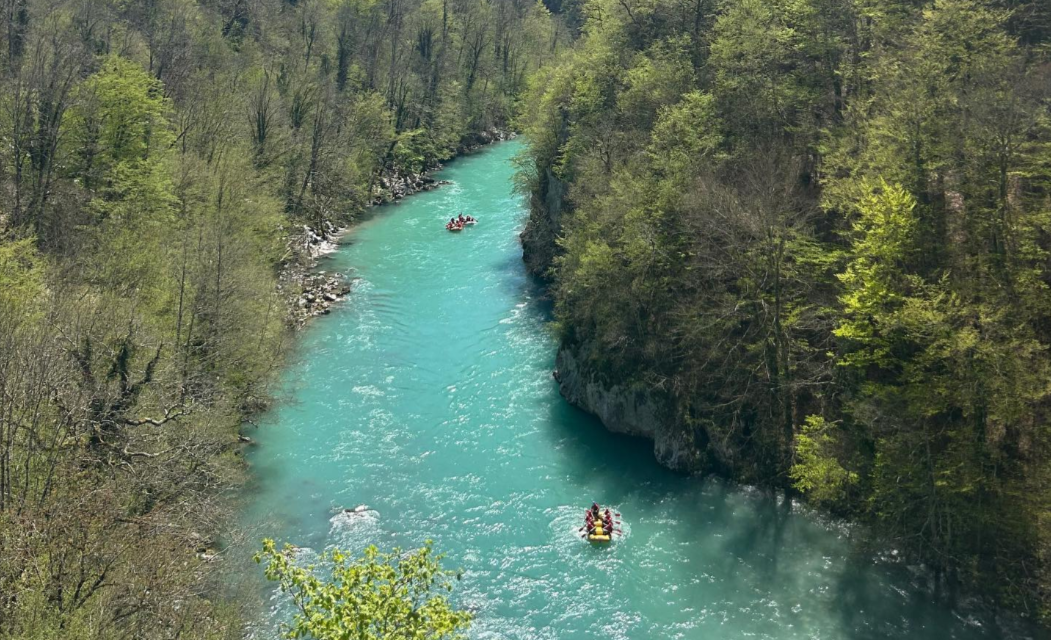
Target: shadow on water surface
755	540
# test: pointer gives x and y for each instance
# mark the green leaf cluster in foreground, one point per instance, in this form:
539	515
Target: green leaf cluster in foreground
380	596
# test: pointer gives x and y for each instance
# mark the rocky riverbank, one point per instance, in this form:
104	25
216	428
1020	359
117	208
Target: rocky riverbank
310	293
480	139
394	184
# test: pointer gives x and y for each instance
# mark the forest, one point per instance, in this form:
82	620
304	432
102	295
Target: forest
157	159
820	230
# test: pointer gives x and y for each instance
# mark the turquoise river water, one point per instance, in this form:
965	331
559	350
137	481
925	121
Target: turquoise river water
428	396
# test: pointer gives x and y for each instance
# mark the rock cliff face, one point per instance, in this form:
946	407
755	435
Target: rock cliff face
635	412
620	407
545	223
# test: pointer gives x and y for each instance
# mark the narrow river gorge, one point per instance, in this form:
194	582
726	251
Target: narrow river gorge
428	396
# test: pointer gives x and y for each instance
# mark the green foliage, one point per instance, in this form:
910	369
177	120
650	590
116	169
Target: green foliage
657	80
770	65
121	117
818	472
380	596
414	149
21	277
685	133
876	281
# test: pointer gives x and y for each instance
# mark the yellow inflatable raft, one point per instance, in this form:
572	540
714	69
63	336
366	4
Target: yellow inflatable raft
599	535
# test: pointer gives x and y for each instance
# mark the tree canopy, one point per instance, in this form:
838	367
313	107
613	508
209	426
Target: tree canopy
158	163
819	230
379	596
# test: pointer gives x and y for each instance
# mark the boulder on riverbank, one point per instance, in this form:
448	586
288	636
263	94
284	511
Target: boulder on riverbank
308	293
393	185
479	139
318	293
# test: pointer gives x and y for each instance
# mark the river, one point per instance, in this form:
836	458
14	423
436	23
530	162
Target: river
428	396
